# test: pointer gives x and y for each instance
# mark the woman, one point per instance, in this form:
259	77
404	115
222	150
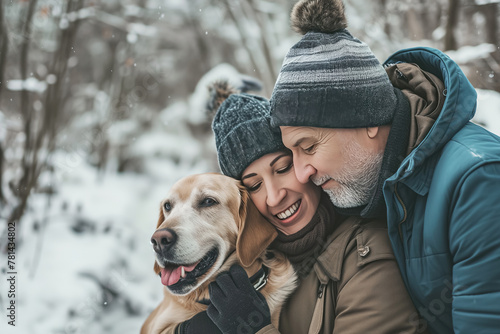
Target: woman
350	282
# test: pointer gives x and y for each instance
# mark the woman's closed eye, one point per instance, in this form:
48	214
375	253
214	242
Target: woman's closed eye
284	169
254	187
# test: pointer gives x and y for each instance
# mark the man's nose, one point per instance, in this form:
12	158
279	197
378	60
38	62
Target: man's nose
303	171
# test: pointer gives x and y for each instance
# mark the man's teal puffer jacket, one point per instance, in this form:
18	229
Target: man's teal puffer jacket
443	208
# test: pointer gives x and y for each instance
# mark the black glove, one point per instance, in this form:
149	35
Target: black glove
236	307
199	324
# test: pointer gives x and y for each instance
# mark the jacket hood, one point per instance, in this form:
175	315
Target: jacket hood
459	105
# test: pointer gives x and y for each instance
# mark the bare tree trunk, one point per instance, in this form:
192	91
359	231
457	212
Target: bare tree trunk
266	49
428	18
203	47
387	27
244	39
25	95
438	13
490	12
450	42
55	92
2	196
414	17
4	42
26	183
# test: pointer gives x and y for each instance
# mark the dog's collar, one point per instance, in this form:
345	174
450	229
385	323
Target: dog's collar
258	280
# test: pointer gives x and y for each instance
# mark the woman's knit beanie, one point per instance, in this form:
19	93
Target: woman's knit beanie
242	128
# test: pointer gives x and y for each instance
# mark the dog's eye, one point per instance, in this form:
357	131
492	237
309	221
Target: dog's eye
167	206
208	201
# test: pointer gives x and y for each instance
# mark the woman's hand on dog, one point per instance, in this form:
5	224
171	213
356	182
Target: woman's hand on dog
236	307
198	324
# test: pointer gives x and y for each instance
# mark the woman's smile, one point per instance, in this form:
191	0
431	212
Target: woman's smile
290	212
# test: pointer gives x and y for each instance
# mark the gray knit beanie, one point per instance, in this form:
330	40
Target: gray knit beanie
242	129
330	79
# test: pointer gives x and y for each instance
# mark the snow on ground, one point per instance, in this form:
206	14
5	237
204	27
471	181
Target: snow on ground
89	269
468	53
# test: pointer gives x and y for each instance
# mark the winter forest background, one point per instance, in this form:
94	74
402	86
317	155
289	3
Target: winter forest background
102	108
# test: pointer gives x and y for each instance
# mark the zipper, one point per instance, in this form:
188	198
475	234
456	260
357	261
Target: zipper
320	290
317	318
404	210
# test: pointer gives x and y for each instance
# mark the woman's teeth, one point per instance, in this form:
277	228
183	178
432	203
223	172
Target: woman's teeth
288	212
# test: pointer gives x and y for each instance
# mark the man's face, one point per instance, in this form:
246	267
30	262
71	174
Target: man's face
342	161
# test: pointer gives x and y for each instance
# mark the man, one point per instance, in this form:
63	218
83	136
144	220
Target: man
399	142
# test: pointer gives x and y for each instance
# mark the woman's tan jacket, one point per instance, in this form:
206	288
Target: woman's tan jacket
355	287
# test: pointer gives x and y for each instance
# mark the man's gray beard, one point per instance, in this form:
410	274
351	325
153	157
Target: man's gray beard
358	179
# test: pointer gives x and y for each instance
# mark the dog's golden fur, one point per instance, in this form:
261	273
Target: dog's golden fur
239	232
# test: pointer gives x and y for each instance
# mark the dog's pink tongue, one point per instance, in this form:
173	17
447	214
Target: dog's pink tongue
171	276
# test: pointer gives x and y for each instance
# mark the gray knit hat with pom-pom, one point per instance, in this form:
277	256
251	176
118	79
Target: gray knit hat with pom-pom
242	128
330	79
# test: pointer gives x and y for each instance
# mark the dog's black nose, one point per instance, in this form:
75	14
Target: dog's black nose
163	239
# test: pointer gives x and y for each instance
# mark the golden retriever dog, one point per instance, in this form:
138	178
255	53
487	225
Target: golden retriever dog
208	223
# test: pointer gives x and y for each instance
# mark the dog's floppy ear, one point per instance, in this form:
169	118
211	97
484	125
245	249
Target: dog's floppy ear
255	233
156	267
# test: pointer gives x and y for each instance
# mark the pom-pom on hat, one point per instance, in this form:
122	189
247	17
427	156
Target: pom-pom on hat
330	79
242	128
